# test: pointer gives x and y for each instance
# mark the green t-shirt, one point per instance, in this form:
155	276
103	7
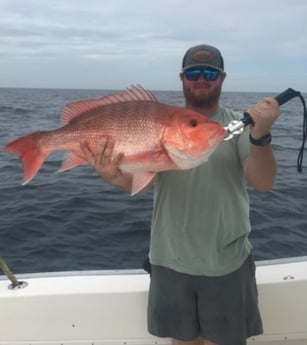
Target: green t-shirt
200	221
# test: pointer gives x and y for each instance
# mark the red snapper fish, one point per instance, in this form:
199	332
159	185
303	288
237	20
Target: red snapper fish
152	136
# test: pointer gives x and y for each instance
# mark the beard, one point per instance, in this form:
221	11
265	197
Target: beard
201	100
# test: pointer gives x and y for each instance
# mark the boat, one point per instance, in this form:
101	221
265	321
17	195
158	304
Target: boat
109	307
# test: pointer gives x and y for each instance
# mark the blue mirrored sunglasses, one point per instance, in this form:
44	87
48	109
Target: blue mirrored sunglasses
209	74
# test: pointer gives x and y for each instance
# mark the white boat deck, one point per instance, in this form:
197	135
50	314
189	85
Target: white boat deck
109	307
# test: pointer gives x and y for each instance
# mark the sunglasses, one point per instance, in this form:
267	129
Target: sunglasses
209	74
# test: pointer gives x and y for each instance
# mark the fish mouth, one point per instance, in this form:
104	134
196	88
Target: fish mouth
216	138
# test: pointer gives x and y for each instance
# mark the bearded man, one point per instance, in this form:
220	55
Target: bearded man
203	288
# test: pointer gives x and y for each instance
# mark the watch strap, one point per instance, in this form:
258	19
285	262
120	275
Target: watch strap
263	141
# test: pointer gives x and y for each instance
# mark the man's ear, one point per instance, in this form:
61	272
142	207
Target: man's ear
223	76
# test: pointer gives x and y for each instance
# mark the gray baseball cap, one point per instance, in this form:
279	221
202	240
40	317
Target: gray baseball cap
203	56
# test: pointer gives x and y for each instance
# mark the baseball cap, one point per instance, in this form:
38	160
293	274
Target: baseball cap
203	56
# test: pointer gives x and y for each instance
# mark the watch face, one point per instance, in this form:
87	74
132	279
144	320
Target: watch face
266	139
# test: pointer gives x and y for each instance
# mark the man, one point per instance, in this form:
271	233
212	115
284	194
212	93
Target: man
203	288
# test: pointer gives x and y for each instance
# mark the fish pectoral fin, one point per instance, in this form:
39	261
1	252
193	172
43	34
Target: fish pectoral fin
141	180
71	161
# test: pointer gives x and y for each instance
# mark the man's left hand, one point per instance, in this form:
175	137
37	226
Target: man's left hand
264	114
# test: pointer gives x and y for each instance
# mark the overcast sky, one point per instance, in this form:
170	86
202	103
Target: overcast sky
111	44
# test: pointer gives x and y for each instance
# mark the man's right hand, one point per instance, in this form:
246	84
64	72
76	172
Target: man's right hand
107	167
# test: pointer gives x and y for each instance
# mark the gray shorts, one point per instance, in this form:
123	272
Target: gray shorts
221	309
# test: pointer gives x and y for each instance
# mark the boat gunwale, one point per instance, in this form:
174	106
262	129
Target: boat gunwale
137	271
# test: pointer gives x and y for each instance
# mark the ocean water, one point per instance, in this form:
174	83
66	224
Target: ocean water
75	221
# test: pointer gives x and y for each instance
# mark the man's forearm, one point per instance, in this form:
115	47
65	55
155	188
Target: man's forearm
260	168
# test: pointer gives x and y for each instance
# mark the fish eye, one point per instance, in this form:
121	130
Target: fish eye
193	123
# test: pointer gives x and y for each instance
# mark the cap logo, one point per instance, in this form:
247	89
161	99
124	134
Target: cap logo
202	56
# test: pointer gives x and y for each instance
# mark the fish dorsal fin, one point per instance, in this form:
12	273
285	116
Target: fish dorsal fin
132	93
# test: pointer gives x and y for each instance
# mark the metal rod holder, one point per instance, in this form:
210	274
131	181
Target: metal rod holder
15	284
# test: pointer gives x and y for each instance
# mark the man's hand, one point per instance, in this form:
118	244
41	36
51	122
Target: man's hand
264	114
106	166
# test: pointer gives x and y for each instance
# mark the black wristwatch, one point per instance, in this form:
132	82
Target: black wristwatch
263	141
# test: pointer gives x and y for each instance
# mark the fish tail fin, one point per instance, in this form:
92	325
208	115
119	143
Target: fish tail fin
28	148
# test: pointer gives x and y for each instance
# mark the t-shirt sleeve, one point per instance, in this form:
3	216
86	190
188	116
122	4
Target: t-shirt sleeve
244	146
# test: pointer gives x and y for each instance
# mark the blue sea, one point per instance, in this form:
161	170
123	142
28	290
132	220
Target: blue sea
75	221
